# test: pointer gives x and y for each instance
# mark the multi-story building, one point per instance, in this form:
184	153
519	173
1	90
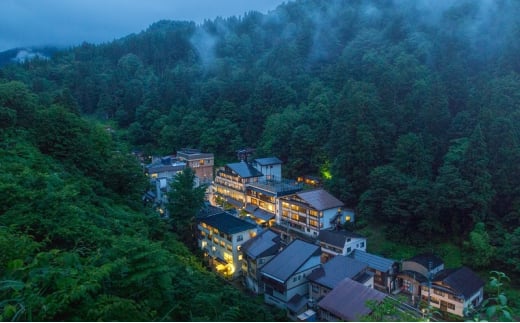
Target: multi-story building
385	270
339	242
330	274
231	180
220	236
309	212
201	163
270	167
285	276
161	172
416	271
454	290
262	198
256	253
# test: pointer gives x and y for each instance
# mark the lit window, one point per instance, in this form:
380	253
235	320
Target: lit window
347	218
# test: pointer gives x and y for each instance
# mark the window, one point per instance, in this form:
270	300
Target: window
349	249
362	244
240	237
451	306
438	292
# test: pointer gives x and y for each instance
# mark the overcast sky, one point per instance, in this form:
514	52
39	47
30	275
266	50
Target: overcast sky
70	22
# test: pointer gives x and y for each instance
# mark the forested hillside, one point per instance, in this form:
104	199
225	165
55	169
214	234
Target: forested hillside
409	110
76	242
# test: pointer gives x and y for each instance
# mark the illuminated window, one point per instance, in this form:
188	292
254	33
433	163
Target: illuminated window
347	218
228	258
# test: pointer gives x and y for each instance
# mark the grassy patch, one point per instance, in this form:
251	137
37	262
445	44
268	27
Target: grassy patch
377	243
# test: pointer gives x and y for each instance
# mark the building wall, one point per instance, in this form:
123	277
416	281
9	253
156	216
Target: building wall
303	218
448	303
271	172
354	243
317	291
251	271
222	246
295	284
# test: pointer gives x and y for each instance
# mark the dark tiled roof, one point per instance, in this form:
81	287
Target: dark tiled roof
335	270
159	168
266	243
268	161
336	237
462	280
289	260
320	199
348	300
227	223
425	258
244	170
208	210
373	261
190	154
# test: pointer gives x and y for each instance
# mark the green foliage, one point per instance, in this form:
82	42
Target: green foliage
184	201
478	250
412	115
387	311
495	307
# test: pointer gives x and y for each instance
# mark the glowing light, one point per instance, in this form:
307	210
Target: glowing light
326	174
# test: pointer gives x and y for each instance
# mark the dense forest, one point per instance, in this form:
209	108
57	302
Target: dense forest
408	110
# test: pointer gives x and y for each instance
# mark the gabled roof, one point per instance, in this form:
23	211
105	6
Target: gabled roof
337	238
348	300
463	281
268	161
373	261
244	170
267	243
335	270
228	223
289	260
320	199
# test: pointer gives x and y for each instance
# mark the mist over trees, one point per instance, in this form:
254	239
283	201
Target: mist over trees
408	109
